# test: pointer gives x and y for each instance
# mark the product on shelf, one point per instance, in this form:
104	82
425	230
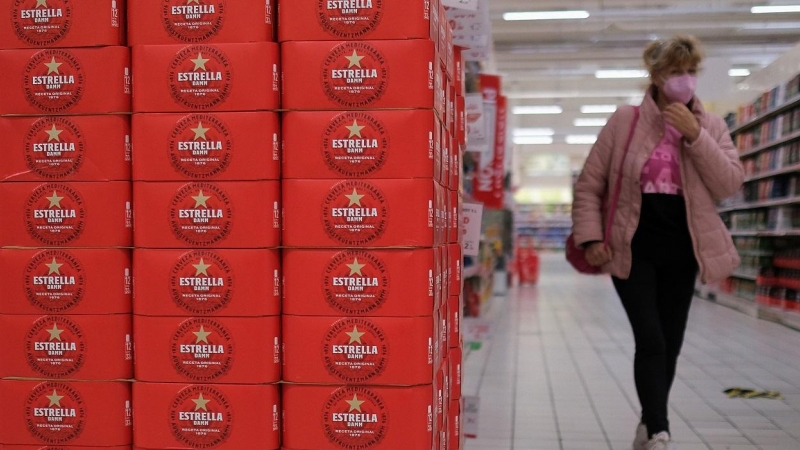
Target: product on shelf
69	148
65	81
213	21
64	23
224	146
206	77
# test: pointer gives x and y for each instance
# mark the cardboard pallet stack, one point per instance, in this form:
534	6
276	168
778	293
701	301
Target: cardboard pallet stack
65	197
370	197
207	225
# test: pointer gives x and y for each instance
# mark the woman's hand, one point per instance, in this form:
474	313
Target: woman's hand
679	116
598	254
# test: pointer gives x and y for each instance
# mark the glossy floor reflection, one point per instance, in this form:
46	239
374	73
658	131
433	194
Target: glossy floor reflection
557	374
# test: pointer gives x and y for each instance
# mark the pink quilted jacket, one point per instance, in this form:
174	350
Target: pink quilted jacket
710	169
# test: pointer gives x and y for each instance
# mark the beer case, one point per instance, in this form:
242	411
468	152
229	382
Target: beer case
155	22
183	416
206	77
87	347
228	146
65	81
357	75
76	148
62	23
65	281
204	214
66	214
358	350
362	213
65	413
243	350
240	283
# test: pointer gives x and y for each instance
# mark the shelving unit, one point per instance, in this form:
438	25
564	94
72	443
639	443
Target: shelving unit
548	224
767	227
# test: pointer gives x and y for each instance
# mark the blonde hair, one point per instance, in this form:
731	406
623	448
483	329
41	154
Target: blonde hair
680	51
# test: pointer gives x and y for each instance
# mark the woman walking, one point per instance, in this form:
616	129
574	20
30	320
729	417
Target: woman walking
666	230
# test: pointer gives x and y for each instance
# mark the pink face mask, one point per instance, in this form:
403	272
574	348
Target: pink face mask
680	88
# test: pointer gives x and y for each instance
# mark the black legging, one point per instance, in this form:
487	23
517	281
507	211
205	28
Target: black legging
657	297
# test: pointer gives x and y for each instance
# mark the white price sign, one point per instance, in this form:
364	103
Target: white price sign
473	216
470	417
471	5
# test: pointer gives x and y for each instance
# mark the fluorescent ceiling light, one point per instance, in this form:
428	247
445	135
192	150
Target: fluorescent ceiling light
775	9
527	132
600	122
581	139
621	73
533	140
545	15
525	110
598	109
739	73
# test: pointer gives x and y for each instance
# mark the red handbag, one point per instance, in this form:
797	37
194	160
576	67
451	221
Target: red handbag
576	256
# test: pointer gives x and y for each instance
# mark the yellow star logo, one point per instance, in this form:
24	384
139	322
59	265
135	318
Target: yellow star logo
355	403
202	335
41	3
355	335
53	267
200	132
200	62
53	133
55	200
55	399
355	129
201	268
200	403
354	59
55	333
200	199
52	66
355	198
355	268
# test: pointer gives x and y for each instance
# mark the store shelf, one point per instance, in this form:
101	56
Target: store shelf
744	276
773	173
765	233
755	252
743	305
788	318
775	143
791	103
793	200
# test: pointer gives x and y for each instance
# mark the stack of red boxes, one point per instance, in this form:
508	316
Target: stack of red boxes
206	169
371	354
65	197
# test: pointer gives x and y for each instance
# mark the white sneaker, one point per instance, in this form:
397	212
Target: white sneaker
641	438
661	441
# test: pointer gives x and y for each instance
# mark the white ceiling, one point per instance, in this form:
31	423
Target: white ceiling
553	62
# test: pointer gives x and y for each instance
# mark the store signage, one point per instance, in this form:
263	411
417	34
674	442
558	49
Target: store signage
489	178
473	216
471	5
470	416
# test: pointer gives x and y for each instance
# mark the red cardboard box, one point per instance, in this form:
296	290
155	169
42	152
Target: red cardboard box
62	23
241	283
67	347
360	144
355	75
207	349
71	447
388	283
335	418
177	21
206	77
354	19
65	281
461	120
455	360
358	350
65	81
236	146
62	214
456	256
77	148
65	413
454	426
177	415
229	214
359	213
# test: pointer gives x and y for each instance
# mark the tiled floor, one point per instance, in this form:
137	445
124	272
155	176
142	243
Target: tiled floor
557	373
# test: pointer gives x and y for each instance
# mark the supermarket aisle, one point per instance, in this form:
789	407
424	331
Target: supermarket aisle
557	375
